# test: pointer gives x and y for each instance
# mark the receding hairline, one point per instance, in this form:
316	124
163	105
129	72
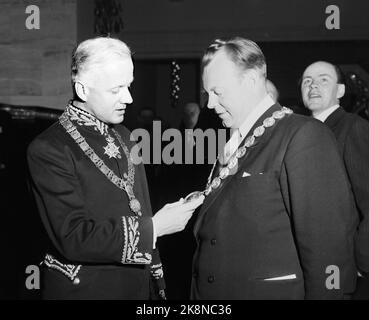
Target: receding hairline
335	68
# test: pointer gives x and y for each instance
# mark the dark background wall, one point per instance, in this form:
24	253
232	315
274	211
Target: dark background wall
292	34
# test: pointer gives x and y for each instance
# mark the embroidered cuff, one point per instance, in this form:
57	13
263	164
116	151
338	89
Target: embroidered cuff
69	270
131	241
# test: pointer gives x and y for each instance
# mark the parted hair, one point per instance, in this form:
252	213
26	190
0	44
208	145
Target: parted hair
91	53
246	54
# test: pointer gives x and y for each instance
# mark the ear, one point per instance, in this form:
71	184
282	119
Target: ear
340	90
81	90
251	76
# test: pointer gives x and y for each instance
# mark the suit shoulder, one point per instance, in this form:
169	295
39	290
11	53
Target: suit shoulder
51	138
306	131
357	132
360	124
299	122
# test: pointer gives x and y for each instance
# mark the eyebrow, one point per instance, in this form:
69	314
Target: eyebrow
123	85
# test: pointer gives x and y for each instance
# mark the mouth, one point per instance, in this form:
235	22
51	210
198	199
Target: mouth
121	110
314	96
220	112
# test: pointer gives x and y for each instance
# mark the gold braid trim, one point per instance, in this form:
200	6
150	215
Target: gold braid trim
131	237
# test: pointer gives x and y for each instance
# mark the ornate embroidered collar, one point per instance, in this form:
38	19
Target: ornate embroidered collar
83	118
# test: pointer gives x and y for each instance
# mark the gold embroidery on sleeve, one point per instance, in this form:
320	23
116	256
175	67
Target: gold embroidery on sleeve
131	235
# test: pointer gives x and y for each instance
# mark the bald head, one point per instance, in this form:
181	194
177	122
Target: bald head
321	87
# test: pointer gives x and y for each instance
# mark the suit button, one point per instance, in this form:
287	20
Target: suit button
213	242
211	279
195	275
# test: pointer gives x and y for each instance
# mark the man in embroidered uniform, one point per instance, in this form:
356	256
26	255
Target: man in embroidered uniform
92	198
278	215
322	86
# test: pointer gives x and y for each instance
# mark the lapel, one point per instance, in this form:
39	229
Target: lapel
209	200
335	117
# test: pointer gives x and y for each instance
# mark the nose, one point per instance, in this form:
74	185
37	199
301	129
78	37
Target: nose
126	96
211	101
314	84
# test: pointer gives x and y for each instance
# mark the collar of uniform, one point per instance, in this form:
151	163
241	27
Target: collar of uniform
326	113
86	119
239	134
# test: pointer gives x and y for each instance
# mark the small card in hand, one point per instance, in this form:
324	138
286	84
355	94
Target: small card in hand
193	195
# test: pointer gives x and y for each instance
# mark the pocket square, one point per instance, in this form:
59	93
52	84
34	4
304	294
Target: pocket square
245	174
288	277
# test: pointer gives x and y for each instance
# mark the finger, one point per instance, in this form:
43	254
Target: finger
194	203
174	204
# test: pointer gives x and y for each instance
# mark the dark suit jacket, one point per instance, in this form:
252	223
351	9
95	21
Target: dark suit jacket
88	219
292	215
352	133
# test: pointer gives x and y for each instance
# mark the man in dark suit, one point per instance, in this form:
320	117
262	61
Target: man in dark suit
92	195
277	221
322	87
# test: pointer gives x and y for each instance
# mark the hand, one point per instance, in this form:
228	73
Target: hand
173	217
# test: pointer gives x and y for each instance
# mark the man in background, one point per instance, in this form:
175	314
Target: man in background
322	87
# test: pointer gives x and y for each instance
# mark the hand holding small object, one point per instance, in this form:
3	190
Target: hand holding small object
193	195
173	217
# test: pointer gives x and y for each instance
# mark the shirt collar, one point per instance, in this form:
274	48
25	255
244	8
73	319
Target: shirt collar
86	119
326	113
255	114
239	134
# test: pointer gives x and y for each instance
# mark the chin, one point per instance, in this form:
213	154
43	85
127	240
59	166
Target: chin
227	124
315	107
117	120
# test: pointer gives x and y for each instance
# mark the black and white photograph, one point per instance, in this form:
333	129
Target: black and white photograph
184	151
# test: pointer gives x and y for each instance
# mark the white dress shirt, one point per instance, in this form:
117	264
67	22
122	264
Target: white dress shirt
326	113
239	134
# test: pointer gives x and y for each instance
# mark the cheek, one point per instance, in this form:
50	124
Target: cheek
234	108
108	100
327	94
226	104
305	93
98	98
332	93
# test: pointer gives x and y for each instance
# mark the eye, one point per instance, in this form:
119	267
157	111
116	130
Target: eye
115	90
306	82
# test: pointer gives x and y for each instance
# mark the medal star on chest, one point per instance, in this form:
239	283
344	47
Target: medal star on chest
112	150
